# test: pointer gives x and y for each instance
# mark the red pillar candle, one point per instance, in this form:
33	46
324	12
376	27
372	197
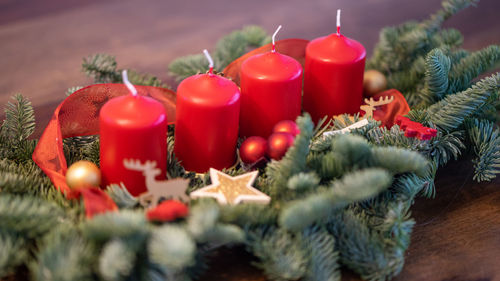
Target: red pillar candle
333	82
271	89
206	128
132	127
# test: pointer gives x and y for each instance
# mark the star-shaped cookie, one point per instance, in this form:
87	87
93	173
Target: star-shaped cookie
232	190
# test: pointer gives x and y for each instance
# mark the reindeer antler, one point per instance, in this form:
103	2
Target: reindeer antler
136	165
381	101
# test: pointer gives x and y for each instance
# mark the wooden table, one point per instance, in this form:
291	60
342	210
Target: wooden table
457	235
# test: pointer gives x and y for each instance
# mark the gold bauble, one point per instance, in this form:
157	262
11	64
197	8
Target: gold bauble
83	174
373	82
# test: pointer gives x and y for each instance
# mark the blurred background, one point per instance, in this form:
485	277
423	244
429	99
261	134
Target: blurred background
43	42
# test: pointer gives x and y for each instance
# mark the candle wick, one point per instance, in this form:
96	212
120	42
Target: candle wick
129	85
338	22
273	39
210	61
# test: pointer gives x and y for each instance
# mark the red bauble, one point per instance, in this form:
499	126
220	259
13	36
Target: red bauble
278	144
253	149
287	126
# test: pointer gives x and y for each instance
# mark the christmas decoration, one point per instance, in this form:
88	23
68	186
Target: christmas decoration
232	190
95	200
328	194
333	56
414	129
83	174
156	190
373	82
278	144
271	90
168	210
287	126
131	126
253	149
206	131
370	104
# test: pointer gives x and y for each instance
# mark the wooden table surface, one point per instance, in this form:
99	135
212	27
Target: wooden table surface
457	235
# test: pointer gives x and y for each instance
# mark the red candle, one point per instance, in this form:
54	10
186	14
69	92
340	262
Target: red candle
333	82
132	127
271	89
206	128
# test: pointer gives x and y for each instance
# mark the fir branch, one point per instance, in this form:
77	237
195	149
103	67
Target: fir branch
450	7
19	120
28	216
485	138
121	196
102	68
451	112
64	257
13	253
281	254
470	67
182	68
294	161
398	160
437	66
323	262
245	215
172	248
355	186
116	260
447	146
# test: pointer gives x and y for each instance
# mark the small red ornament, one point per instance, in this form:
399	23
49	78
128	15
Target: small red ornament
414	129
287	126
168	210
278	144
253	149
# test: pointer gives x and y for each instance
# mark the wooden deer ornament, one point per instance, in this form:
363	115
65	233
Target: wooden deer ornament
370	105
157	189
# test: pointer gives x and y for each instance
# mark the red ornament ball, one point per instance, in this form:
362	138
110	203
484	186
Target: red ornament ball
287	126
253	149
168	210
278	144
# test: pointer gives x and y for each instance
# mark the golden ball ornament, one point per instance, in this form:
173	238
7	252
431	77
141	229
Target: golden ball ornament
373	82
83	174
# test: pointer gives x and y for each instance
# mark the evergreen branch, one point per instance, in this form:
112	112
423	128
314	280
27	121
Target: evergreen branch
398	160
28	216
245	215
64	257
450	7
294	161
447	146
470	67
121	196
172	248
19	120
485	138
355	186
437	66
13	253
116	260
281	254
183	67
323	259
102	68
450	113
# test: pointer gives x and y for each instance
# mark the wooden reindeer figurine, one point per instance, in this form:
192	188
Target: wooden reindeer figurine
175	188
370	105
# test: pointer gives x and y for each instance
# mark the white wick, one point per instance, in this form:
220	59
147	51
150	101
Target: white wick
338	20
209	58
129	85
274	36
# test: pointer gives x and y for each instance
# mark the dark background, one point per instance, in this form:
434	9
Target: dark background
42	43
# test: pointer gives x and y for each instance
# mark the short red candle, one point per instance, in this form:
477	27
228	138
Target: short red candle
132	127
206	128
271	89
333	79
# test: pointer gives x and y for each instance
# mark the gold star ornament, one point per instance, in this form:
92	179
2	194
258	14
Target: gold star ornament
232	190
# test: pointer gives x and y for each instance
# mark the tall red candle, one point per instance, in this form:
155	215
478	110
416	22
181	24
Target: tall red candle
333	79
132	127
271	89
206	128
